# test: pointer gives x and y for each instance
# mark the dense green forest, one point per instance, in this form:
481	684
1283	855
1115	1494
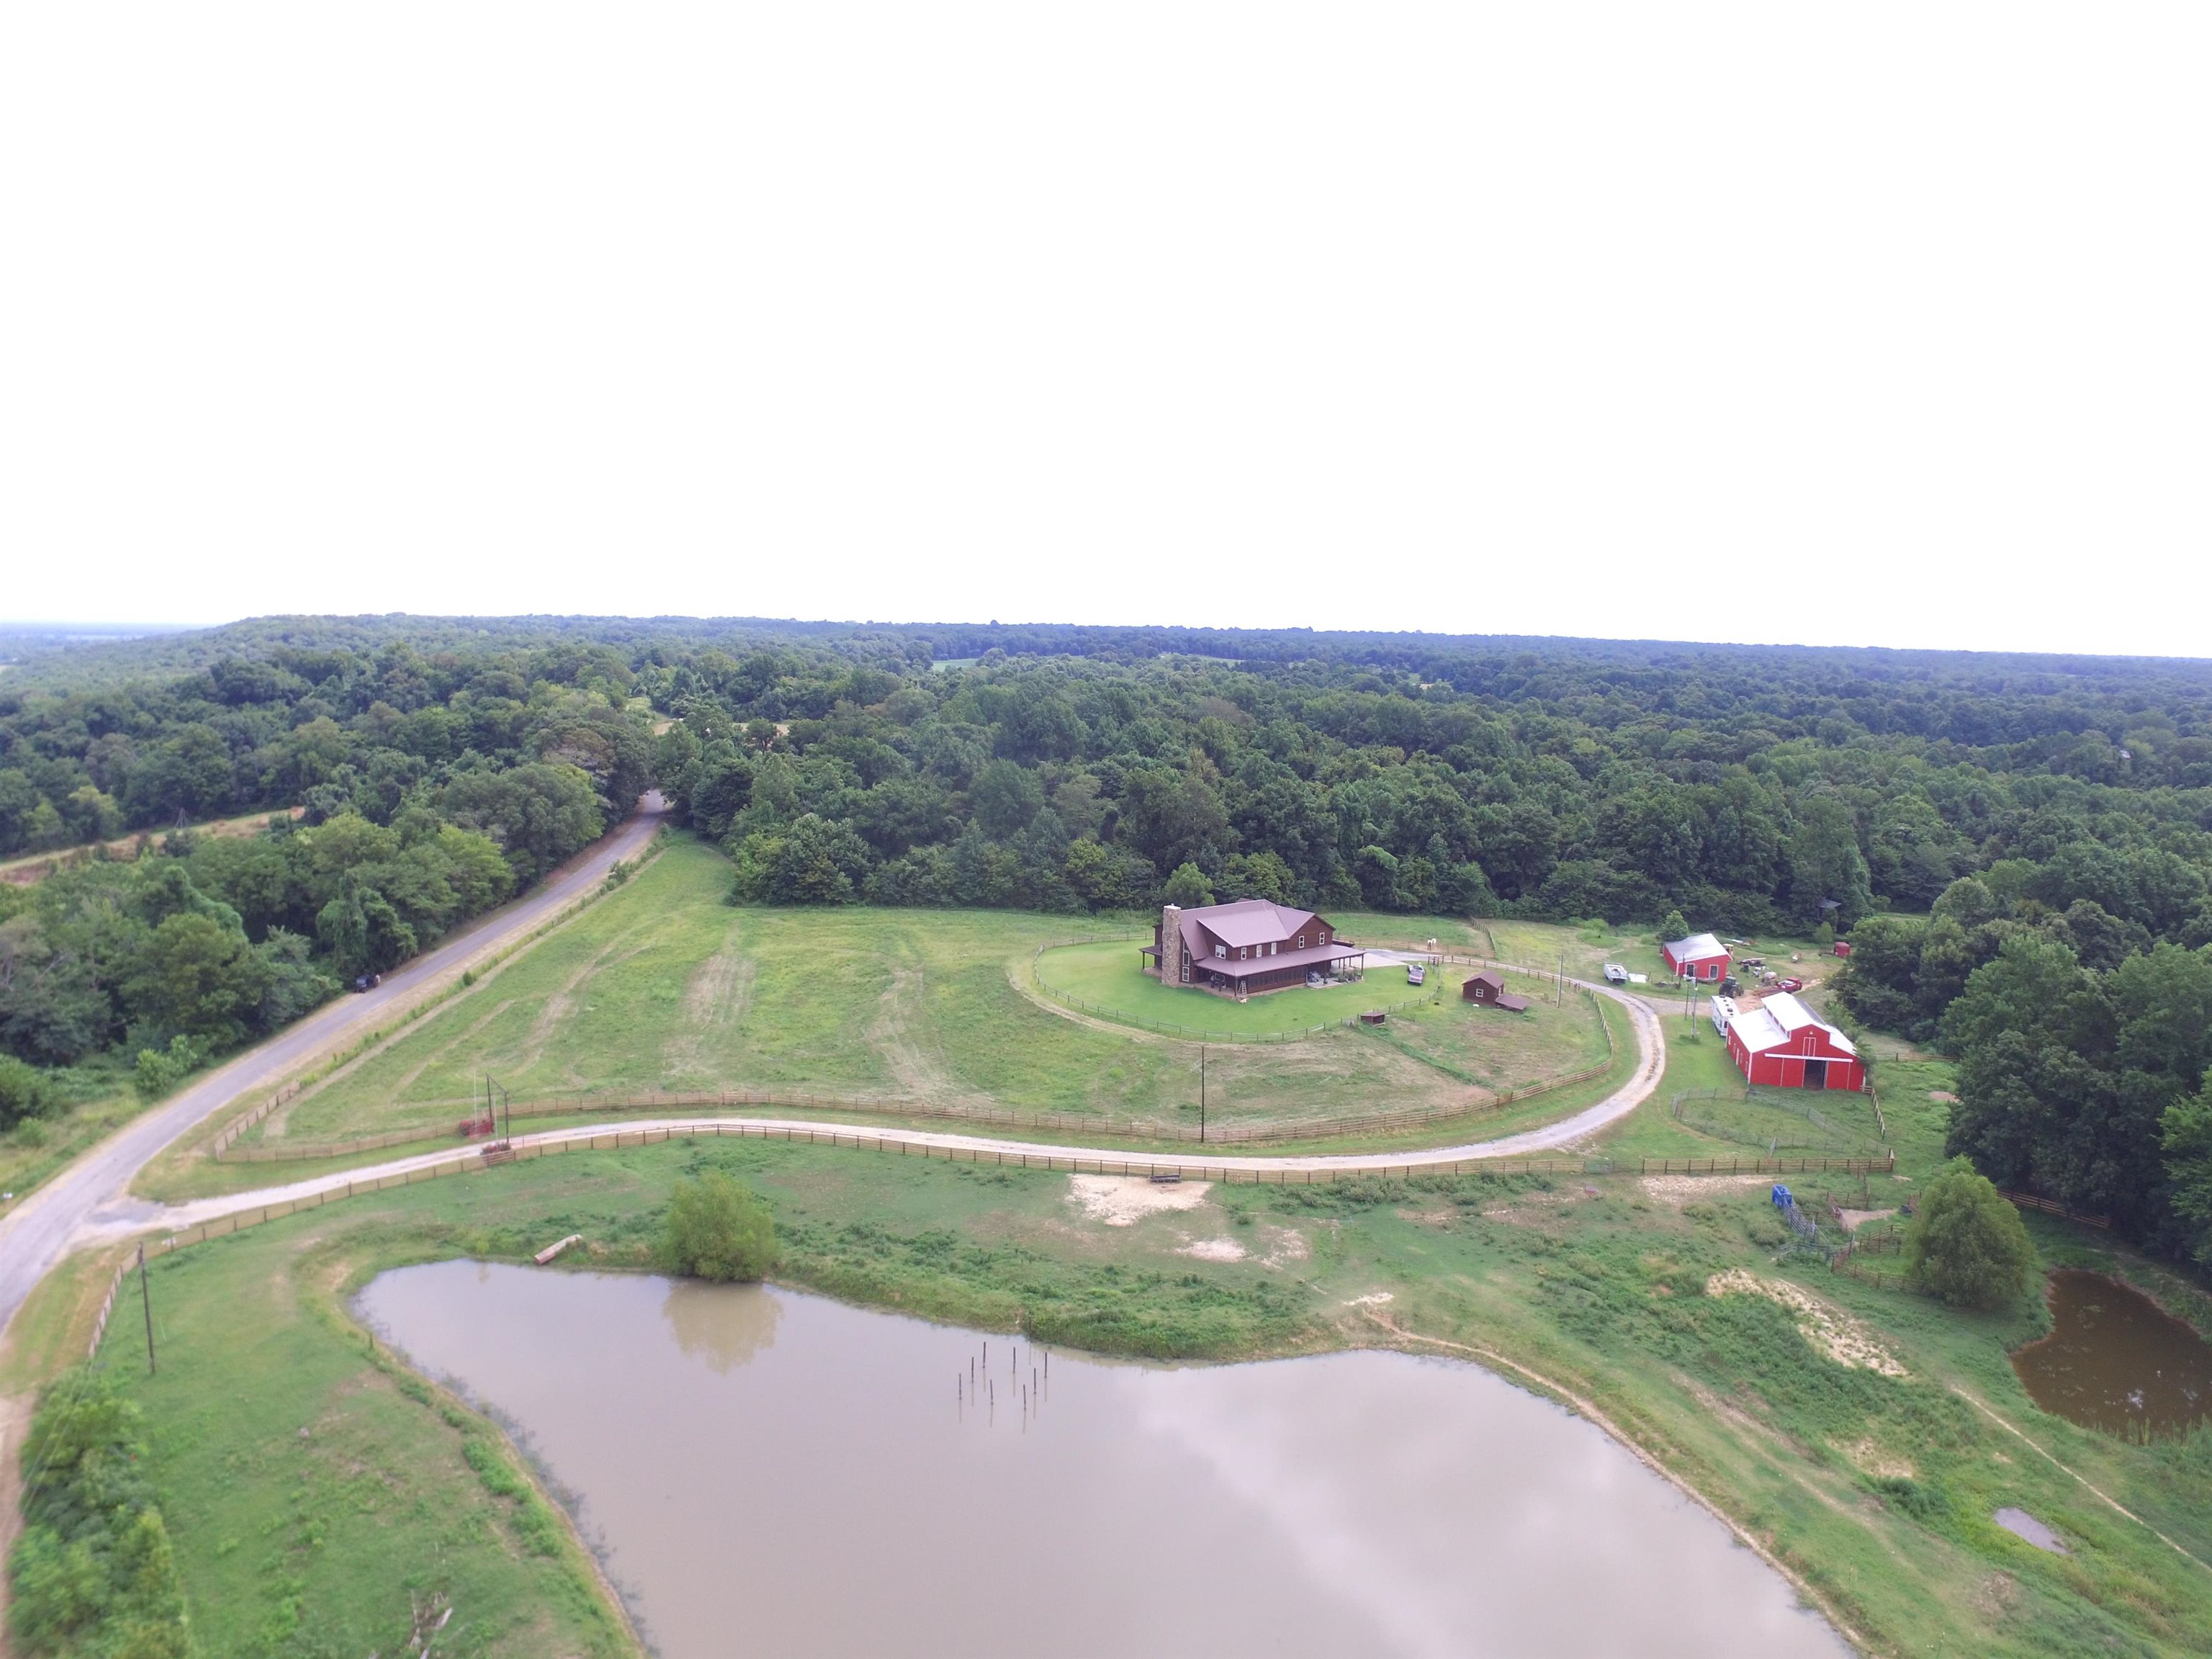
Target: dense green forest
1979	823
434	786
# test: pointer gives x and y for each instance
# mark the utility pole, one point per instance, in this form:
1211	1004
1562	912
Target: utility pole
146	1296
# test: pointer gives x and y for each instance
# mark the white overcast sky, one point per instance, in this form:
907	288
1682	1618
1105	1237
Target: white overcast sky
1879	324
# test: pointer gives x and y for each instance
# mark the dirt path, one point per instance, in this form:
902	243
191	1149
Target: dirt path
38	1233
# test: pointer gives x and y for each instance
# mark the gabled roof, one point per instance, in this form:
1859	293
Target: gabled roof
1782	1018
1793	1016
1250	921
1696	948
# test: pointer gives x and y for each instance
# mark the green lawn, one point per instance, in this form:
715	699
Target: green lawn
663	987
1108	981
1875	1489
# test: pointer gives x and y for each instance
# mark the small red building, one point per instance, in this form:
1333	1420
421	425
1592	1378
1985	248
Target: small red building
1700	956
1782	1044
1489	989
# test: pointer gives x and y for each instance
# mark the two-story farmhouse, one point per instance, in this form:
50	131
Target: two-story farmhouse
1248	946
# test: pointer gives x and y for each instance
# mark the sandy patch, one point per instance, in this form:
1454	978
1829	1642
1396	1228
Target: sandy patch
1372	1299
1124	1200
1675	1191
1289	1246
1943	1096
1829	1329
1882	1465
1214	1250
1855	1219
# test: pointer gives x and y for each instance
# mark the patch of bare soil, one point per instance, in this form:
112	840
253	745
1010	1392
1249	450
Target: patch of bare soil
1124	1200
916	1062
1882	1465
1213	1250
1675	1191
1290	1246
1828	1328
1943	1096
1855	1219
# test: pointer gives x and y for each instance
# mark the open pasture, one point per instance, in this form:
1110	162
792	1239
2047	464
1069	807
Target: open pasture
663	987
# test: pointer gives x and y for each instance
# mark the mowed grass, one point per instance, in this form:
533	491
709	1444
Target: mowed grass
1109	978
317	1492
1877	1490
662	986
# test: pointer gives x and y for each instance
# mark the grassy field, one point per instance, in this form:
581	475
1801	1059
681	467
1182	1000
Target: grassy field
663	987
1107	975
1875	1489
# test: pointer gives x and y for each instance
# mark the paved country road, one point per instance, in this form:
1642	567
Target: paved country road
42	1227
1650	1062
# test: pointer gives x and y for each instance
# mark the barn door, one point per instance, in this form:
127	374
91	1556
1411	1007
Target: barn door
1816	1073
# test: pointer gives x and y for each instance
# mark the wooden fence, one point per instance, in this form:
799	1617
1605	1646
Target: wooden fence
862	1140
2051	1207
1274	1132
108	1307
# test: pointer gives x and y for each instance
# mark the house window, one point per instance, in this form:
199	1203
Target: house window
1221	950
1324	936
1240	953
1301	941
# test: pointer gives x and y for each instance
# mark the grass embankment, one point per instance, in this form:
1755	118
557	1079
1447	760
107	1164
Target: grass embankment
35	1150
1875	1489
662	986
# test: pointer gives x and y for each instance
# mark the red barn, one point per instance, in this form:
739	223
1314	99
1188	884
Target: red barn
1700	956
1785	1045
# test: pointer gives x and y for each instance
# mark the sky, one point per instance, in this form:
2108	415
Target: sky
1883	325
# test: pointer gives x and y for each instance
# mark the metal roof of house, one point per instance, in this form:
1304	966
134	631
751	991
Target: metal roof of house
1696	948
1251	921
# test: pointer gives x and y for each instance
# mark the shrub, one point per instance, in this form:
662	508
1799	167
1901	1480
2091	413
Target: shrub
25	1092
161	1070
93	1571
717	1229
1966	1243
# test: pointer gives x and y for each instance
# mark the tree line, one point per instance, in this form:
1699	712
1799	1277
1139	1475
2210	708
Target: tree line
427	788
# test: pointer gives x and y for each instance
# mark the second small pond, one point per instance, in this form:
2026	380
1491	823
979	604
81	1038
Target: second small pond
2115	1360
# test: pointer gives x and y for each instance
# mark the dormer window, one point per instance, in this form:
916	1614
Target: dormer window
1221	950
1301	941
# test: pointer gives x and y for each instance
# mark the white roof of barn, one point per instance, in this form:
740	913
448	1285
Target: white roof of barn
1773	1025
1696	948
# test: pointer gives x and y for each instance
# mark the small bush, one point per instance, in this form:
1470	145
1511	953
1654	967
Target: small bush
1967	1242
161	1070
716	1229
25	1092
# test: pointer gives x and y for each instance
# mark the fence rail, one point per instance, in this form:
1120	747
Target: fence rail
2052	1206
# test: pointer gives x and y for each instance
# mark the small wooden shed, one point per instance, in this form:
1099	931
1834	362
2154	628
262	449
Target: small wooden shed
1489	989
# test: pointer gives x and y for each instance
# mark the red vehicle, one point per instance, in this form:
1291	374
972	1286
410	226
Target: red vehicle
1791	985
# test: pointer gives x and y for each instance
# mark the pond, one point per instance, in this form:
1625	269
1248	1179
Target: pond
763	1471
2116	1360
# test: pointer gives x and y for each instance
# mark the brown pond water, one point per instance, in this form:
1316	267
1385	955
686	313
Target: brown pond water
768	1473
2116	1360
